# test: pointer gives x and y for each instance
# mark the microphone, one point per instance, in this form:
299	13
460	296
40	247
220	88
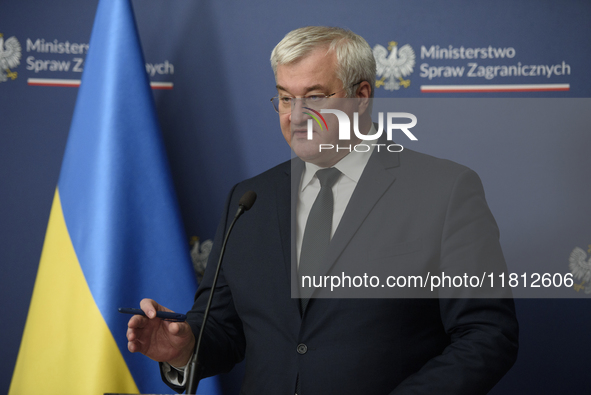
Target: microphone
195	368
245	203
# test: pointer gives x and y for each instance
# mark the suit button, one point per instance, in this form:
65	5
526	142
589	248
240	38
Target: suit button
302	348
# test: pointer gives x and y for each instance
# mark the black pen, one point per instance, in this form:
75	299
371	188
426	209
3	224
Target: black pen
165	315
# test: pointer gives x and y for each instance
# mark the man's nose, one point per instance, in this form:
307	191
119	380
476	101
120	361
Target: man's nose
297	115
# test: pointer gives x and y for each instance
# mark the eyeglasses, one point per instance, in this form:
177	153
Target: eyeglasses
284	104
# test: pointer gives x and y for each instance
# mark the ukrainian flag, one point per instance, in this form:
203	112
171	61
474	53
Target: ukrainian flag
114	234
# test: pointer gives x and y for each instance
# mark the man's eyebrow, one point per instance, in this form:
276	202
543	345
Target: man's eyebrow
308	89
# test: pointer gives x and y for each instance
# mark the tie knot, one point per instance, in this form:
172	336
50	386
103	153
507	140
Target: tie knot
328	177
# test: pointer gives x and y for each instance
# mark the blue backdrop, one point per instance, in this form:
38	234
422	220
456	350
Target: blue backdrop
529	144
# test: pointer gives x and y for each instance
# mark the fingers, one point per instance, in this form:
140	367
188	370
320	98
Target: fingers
179	329
135	346
138	338
134	330
135	327
137	321
150	307
133	334
133	343
132	347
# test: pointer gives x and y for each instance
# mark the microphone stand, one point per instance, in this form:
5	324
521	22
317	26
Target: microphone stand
195	368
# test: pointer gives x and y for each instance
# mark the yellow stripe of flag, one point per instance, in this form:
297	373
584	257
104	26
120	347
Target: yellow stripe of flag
67	347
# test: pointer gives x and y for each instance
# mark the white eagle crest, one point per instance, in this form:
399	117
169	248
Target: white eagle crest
393	66
199	255
10	57
580	267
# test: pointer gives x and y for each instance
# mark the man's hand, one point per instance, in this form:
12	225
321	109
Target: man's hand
160	340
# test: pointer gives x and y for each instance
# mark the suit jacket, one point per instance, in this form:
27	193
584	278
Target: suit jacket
432	215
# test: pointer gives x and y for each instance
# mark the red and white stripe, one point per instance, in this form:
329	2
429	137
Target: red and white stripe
76	83
494	88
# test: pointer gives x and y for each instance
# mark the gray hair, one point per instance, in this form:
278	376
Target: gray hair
355	61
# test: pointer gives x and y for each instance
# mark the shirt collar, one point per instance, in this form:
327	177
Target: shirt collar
352	165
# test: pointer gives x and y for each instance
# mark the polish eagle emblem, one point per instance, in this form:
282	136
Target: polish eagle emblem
392	66
10	57
199	254
580	267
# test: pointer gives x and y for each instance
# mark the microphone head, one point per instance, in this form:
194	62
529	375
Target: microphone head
247	200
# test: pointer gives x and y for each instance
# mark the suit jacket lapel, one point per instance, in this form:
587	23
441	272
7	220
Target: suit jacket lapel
286	212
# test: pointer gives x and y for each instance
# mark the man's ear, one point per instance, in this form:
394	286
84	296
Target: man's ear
363	93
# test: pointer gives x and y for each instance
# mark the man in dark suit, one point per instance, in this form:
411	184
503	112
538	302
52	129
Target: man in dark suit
398	213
